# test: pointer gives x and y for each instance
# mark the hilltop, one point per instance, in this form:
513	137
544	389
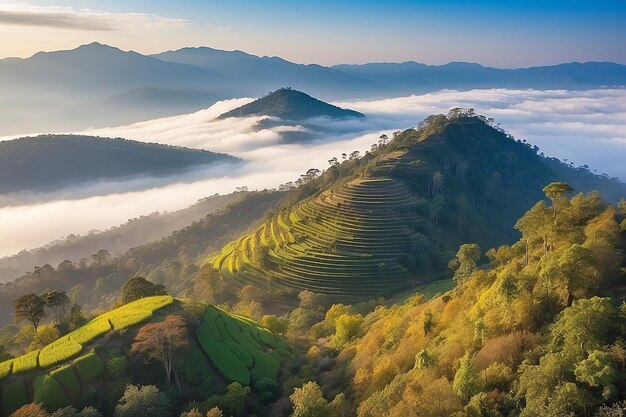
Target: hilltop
40	163
392	219
292	105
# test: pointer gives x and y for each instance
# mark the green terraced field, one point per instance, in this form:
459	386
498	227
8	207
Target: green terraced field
347	242
71	345
240	350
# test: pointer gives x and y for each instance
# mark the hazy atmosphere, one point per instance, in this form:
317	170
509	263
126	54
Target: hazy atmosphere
312	209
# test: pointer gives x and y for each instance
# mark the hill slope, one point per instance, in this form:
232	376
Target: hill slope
222	348
43	162
394	218
289	104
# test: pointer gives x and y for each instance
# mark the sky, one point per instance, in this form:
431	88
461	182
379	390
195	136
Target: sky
496	33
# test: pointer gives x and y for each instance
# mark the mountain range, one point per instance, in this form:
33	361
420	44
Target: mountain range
97	85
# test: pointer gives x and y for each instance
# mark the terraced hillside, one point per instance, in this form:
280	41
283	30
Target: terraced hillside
223	348
348	240
395	217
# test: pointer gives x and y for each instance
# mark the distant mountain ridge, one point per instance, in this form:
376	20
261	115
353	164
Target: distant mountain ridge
87	86
289	104
46	162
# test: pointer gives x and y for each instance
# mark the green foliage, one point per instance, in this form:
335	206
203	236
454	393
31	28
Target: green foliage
142	401
89	366
29	307
347	327
467	257
48	391
598	370
138	287
58	351
233	402
466	378
14	396
66	376
116	368
308	401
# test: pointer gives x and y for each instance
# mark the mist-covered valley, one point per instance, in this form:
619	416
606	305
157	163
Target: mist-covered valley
569	125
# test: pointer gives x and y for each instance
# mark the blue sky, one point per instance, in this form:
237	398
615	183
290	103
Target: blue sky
496	33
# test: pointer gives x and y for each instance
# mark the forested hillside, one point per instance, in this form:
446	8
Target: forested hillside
386	221
41	163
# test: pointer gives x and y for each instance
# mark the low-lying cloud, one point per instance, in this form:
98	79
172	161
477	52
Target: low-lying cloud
586	127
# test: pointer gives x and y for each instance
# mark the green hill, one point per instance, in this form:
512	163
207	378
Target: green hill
41	163
392	219
289	104
223	348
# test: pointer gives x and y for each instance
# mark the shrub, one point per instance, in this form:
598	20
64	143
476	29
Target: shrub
14	396
31	410
48	392
58	351
5	368
68	380
191	364
116	367
89	366
224	360
143	401
25	363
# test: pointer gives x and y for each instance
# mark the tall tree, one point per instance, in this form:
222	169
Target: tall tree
556	191
29	307
157	342
56	301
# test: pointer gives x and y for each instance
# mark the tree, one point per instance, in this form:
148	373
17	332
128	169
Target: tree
143	401
556	191
274	324
424	359
308	401
467	257
101	257
138	287
31	410
157	342
29	307
429	322
214	412
233	402
70	411
56	301
383	139
347	327
577	266
598	370
465	382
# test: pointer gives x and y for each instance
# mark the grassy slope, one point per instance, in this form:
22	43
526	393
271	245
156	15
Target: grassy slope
235	350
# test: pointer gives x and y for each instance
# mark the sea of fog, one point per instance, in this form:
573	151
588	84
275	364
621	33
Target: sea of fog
584	127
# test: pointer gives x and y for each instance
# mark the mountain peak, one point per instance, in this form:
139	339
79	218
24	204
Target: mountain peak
289	104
